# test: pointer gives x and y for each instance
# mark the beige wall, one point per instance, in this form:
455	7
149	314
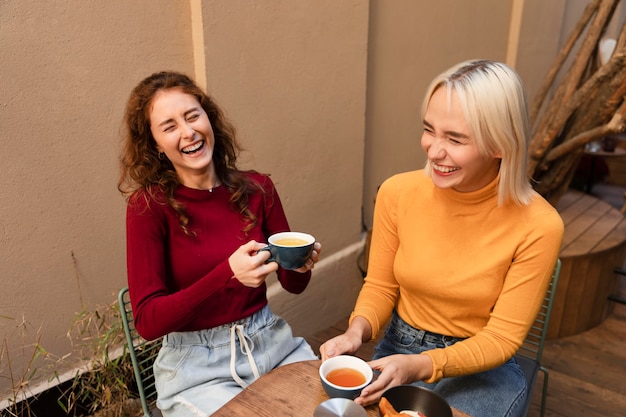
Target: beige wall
325	95
541	33
65	72
293	78
290	74
410	43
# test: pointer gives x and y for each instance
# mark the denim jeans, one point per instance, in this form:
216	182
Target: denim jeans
198	372
499	392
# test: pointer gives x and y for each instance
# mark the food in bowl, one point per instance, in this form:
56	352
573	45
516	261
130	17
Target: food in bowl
408	399
387	410
411	413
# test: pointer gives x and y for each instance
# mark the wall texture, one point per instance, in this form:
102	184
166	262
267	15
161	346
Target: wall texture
66	70
410	43
293	79
325	95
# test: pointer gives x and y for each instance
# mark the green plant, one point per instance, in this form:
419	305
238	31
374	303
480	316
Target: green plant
32	354
98	337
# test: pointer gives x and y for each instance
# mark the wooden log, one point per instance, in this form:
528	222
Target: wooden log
553	180
560	115
591	96
564	112
565	51
556	116
616	125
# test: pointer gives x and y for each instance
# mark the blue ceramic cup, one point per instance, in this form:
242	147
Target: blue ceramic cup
291	250
334	386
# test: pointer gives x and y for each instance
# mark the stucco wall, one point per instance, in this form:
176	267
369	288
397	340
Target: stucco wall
291	75
325	96
293	78
410	43
66	70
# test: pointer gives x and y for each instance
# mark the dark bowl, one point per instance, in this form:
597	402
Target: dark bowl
409	397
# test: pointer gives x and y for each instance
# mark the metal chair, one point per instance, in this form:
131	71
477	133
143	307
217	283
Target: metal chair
530	353
142	355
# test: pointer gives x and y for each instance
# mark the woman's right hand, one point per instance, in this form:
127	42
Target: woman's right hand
349	342
248	264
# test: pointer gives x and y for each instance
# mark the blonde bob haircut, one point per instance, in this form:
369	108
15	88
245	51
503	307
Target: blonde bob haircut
494	103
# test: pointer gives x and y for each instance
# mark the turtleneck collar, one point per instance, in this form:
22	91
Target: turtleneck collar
488	192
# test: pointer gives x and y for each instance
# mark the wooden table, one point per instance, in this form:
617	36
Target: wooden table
290	390
594	243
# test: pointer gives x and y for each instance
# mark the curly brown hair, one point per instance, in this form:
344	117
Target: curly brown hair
143	169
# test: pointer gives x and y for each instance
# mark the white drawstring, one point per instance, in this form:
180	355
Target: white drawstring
237	329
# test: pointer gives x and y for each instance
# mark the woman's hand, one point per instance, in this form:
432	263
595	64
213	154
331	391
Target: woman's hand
395	370
313	259
248	264
349	342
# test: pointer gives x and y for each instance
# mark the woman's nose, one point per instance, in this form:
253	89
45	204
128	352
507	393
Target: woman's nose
187	131
436	150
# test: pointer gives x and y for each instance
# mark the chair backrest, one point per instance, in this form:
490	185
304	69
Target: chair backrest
142	354
533	344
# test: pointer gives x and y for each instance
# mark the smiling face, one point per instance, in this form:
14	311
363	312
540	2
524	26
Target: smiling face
182	130
451	146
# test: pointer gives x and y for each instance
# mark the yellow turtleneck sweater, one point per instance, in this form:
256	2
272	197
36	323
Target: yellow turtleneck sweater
458	264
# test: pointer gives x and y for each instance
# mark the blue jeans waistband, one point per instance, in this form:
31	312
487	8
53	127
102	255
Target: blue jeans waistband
220	335
421	336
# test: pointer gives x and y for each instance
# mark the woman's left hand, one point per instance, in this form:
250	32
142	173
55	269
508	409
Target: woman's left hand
313	259
395	370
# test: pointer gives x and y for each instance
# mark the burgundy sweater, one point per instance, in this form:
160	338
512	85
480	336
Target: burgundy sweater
183	283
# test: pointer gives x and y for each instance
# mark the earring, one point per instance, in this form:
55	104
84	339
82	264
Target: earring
161	156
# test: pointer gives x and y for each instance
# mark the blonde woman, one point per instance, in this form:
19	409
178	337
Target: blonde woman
462	251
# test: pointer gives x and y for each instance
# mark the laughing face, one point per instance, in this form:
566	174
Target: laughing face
182	130
451	146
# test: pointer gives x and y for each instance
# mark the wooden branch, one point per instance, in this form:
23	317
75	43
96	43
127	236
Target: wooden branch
560	59
600	106
618	121
588	49
588	103
545	135
580	140
553	178
621	39
565	111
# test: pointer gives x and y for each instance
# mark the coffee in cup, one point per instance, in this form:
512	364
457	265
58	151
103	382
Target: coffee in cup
291	250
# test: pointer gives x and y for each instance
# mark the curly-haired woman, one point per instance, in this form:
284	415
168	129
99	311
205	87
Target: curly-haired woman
194	226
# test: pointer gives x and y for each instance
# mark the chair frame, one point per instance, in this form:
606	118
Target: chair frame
530	354
142	354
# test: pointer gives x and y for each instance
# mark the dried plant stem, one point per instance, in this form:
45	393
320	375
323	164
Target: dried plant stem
587	104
